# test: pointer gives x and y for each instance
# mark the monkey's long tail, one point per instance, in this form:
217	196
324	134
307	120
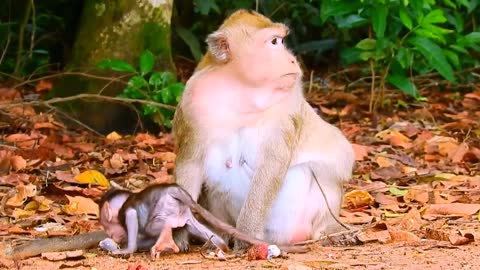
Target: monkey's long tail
227	228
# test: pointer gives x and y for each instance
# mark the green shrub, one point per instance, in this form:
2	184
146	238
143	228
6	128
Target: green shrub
406	38
146	84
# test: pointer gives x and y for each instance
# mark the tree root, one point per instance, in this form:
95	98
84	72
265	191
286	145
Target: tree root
55	244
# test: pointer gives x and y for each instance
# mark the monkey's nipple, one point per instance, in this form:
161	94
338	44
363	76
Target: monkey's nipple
229	163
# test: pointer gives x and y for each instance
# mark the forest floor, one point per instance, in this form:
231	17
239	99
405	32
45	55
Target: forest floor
414	195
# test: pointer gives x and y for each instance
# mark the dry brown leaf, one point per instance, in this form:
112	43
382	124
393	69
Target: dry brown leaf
417	193
9	94
456	239
444	234
360	151
59	256
48	125
18	163
386	173
412	221
395	208
17	230
406	128
327	111
23	193
441	144
43	203
60	150
385	199
357	198
116	162
459	209
17	178
66	176
473	95
5	161
375	186
402	236
457	154
384	161
43	86
23	141
355	217
161	177
79	205
82	147
147	140
371	235
395	138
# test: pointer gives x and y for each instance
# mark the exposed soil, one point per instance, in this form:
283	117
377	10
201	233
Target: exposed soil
425	255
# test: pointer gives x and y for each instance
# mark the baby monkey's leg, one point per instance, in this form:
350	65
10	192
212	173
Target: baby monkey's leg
165	244
200	231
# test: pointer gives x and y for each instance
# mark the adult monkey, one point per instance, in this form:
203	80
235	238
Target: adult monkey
249	143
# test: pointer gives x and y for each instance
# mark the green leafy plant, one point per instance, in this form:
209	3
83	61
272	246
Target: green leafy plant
406	38
147	84
307	36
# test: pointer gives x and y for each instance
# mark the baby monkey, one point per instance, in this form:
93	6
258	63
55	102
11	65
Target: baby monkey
146	220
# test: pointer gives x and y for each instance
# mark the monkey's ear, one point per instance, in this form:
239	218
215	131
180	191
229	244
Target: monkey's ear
218	46
106	212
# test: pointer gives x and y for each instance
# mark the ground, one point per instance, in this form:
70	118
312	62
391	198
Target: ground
423	256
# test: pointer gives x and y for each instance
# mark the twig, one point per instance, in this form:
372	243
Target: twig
74	120
34	26
6	47
372	88
85	96
71	73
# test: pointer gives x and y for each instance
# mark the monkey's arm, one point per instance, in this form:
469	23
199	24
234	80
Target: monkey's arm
131	221
268	178
189	172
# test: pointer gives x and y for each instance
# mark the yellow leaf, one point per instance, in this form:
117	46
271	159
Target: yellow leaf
80	205
358	198
114	136
20	213
31	206
92	177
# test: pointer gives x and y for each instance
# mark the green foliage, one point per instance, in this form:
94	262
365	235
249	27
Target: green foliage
147	84
307	37
407	37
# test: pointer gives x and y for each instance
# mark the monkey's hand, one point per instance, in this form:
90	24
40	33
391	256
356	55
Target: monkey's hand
122	251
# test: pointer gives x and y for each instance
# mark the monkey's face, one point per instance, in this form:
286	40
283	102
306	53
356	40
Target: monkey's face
111	224
116	232
264	59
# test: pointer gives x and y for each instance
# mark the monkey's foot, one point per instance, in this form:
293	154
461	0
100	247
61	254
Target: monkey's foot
162	249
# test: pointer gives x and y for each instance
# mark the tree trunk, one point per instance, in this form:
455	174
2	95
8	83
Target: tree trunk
120	29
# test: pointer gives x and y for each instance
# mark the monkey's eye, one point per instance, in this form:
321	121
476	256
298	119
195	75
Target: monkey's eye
277	41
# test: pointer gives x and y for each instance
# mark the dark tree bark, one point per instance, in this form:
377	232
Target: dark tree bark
120	29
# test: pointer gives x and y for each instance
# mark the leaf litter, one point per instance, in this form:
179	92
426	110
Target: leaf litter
415	185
